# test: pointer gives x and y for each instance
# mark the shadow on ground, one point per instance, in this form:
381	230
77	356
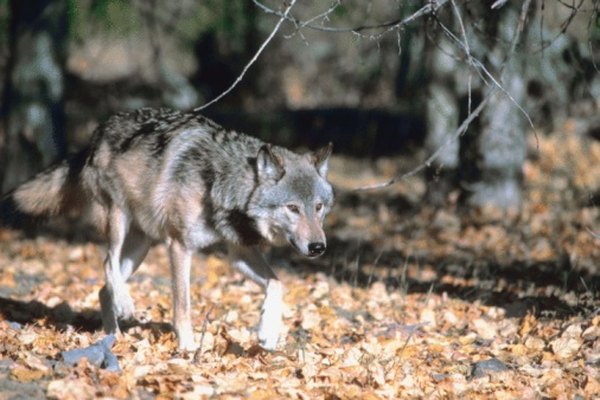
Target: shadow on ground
63	318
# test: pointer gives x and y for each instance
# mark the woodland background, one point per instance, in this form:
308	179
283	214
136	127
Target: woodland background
464	246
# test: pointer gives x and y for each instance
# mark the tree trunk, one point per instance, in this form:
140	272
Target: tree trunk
493	176
33	101
485	164
492	160
442	114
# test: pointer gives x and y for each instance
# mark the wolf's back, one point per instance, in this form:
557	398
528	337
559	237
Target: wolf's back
51	192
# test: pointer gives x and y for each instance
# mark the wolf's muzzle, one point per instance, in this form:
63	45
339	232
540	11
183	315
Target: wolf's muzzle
316	249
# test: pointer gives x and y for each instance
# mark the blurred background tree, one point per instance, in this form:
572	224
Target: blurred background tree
33	106
356	73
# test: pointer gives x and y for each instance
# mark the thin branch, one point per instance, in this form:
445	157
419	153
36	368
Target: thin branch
593	17
324	15
564	26
198	353
429	8
427	163
477	63
467	51
252	61
594	234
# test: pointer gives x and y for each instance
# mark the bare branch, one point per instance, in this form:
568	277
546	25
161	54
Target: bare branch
472	115
262	47
594	234
467	51
481	67
575	9
429	8
427	163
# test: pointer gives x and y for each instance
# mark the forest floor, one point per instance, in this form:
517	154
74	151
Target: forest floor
408	302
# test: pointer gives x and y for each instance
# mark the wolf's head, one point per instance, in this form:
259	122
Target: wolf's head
292	198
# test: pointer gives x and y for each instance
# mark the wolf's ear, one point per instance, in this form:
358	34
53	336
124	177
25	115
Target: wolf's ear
268	164
320	159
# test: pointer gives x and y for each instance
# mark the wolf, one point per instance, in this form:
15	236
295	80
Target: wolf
157	175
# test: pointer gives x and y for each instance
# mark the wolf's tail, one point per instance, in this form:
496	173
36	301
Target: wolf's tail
51	192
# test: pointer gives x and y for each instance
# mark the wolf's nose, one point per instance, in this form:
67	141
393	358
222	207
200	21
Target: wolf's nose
316	249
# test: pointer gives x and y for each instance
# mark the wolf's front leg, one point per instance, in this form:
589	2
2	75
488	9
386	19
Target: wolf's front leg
181	261
251	263
271	316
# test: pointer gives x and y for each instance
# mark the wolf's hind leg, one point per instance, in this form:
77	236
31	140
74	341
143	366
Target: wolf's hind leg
120	304
250	262
115	301
134	251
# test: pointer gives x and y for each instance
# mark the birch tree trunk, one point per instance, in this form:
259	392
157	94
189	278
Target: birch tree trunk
485	165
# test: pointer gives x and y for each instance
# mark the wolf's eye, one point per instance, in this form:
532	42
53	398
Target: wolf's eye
293	208
319	206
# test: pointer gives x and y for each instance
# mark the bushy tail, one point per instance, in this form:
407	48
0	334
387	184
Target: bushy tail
51	192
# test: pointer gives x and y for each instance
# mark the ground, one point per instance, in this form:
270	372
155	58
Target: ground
408	302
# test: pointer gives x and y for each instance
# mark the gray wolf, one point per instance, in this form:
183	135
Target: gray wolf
161	175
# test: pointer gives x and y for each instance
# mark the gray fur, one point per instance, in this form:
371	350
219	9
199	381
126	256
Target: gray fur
180	178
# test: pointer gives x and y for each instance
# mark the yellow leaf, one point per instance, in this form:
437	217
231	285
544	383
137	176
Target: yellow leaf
467	339
24	374
261	394
518	349
527	325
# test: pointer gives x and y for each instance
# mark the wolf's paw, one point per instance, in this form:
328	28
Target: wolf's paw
271	324
268	334
116	306
124	307
185	339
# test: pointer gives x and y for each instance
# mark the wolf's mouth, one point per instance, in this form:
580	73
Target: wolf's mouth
294	245
299	250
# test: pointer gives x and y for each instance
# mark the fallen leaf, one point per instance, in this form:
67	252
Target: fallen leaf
485	329
24	374
565	347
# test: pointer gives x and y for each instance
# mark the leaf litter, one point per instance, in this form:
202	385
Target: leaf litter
409	302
